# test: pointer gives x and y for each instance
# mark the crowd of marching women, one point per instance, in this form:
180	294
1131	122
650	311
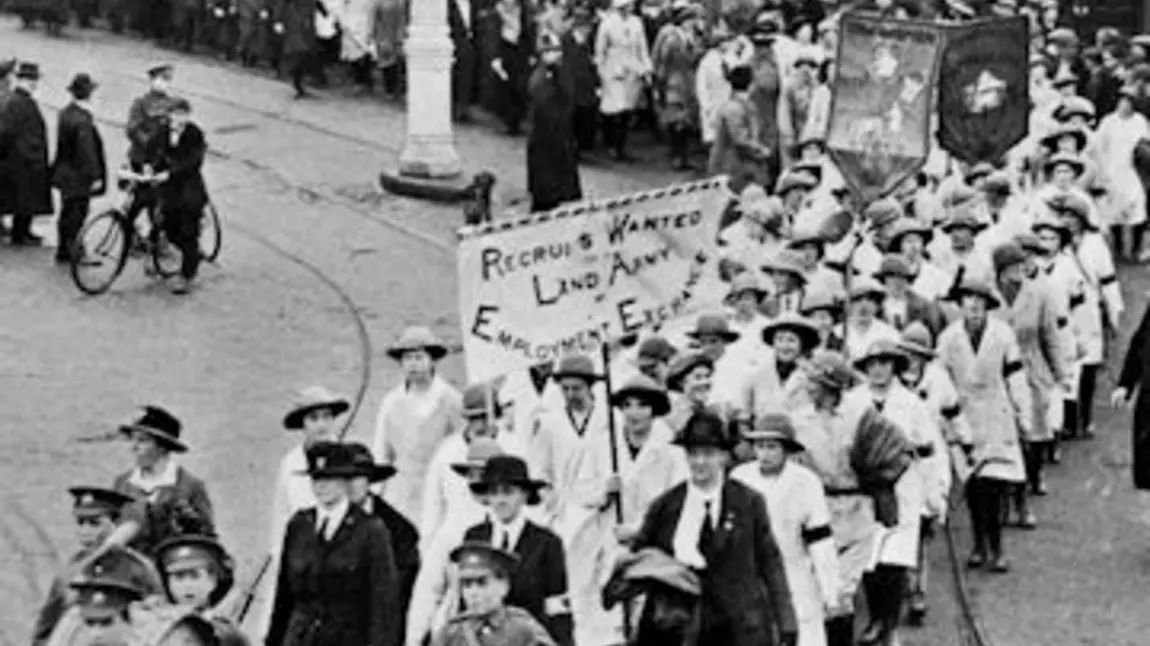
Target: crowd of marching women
766	474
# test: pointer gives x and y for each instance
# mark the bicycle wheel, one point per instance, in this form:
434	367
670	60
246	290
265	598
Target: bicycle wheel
99	252
211	233
166	257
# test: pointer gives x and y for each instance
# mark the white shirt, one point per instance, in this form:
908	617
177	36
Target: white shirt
511	532
695	510
330	519
163	477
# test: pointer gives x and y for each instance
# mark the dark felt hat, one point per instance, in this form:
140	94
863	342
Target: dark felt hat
82	85
91	501
508	470
160	425
977	287
789	321
331	460
704	429
831	369
160	69
644	389
916	339
656	349
776	426
1006	255
477	555
363	459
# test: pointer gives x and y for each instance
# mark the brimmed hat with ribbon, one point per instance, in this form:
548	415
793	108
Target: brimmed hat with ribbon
479	451
997	183
312	399
330	460
831	369
882	350
417	338
1075	106
655	349
374	471
704	428
98	501
964	217
160	425
785	261
1067	130
790	322
1065	203
821	299
644	389
1029	242
1075	163
714	325
916	339
478	557
883	213
1049	222
684	365
775	426
746	282
909	226
480	400
508	470
866	287
894	265
576	366
972	286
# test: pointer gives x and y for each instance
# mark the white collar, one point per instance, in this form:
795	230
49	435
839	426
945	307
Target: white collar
164	478
701	496
334	516
514	531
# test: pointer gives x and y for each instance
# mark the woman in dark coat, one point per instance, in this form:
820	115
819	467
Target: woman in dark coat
337	578
24	145
296	19
552	156
1134	382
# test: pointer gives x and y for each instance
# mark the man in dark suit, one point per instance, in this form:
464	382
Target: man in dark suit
79	171
183	194
462	25
404	535
902	305
337	582
720	528
539	584
24	145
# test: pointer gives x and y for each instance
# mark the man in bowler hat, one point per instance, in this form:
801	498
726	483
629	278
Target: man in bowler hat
79	170
720	528
485	576
24	146
96	511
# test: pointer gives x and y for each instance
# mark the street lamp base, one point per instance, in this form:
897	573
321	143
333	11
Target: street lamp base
449	190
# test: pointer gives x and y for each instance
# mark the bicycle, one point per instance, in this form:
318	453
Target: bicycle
102	243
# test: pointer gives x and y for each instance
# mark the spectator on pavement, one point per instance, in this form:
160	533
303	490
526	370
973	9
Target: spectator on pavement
24	146
79	171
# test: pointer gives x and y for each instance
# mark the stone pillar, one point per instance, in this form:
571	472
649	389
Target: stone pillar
429	151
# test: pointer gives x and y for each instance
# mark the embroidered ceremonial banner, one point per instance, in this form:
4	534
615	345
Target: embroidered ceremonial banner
984	88
535	289
882	101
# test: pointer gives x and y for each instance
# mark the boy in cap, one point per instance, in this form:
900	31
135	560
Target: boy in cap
485	579
96	511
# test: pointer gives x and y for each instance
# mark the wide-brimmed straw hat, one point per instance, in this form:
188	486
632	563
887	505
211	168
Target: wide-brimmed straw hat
313	399
821	299
977	287
417	338
790	322
894	265
1051	140
1065	203
160	425
917	340
866	287
713	325
683	365
508	470
882	349
747	281
775	426
644	389
785	262
1049	221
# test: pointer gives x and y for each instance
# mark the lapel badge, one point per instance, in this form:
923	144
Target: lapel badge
321	463
87	500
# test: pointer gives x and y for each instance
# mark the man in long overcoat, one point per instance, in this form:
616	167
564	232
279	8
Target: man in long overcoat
24	145
79	170
462	24
552	155
6	68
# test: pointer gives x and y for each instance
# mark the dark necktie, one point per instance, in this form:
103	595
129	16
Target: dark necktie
707	531
506	544
879	405
322	531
